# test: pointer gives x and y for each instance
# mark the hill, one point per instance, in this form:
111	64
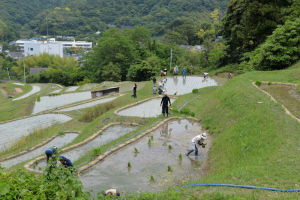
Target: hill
79	17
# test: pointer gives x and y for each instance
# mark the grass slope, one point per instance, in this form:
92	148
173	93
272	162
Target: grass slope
254	144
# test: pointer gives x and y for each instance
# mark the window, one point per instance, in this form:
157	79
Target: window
31	49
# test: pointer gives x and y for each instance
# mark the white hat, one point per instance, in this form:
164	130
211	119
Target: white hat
204	135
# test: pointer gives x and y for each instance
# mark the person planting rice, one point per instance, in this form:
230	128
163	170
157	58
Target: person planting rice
65	161
112	192
164	103
49	152
197	141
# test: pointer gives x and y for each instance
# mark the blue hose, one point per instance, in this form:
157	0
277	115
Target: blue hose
186	103
244	186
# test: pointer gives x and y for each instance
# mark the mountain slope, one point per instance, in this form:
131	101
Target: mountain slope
82	17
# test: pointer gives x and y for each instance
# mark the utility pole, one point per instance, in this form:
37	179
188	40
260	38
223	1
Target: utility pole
24	72
8	73
171	59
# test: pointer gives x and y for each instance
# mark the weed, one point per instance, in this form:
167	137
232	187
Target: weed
151	137
169	168
136	150
95	112
152	179
129	165
180	156
38	99
97	152
186	127
195	91
170	147
269	83
258	83
61	133
149	142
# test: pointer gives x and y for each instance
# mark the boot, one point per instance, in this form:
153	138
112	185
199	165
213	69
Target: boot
189	152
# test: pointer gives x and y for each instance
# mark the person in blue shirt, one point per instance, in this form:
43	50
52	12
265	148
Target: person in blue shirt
65	161
49	152
184	73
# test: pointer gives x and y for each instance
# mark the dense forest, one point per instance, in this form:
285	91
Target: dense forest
82	18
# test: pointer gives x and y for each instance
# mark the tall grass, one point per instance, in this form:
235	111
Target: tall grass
93	113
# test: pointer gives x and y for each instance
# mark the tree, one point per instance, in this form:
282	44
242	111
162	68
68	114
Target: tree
248	22
280	50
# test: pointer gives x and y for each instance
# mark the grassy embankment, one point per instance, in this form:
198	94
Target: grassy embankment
254	143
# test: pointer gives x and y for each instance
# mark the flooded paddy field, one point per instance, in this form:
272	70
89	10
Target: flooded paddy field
186	85
35	89
59	141
11	132
71	89
149	108
286	95
50	102
89	104
111	133
159	158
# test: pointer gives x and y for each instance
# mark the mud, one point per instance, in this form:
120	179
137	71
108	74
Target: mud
35	89
152	160
149	108
59	141
108	135
11	132
50	102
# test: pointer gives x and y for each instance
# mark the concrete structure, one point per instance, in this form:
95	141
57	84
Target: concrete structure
0	48
37	70
99	93
193	48
51	46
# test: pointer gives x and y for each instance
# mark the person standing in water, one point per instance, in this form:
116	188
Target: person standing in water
197	141
164	103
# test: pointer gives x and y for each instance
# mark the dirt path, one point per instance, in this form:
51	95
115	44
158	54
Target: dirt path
4	93
18	90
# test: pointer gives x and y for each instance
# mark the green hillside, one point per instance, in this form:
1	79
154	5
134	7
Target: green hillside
82	18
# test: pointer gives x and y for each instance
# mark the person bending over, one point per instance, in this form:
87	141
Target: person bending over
197	141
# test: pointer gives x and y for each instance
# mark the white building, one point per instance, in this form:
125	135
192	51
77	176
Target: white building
51	46
36	48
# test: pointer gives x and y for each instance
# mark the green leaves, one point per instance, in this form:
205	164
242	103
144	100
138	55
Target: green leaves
4	189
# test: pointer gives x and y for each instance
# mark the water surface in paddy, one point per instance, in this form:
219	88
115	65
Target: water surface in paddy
50	102
34	90
71	89
59	141
111	133
89	104
149	108
286	95
11	132
152	160
186	85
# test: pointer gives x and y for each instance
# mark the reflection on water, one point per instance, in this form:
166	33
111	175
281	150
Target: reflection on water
50	102
11	132
186	85
108	135
59	141
152	160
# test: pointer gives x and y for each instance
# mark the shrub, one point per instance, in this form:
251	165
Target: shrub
169	168
195	91
258	83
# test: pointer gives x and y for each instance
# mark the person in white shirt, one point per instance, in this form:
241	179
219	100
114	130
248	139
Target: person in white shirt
197	141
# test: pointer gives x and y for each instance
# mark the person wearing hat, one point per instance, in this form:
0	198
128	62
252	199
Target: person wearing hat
112	192
164	103
65	161
49	152
197	141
